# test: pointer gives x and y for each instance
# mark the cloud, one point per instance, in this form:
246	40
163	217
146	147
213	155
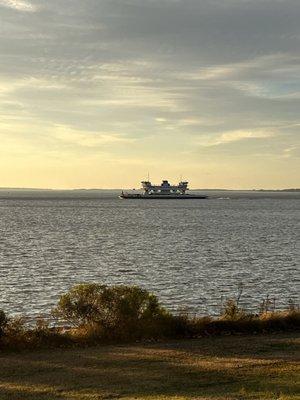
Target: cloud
223	75
19	5
87	139
233	136
242	135
274	66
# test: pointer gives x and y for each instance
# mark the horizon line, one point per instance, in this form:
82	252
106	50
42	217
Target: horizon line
107	189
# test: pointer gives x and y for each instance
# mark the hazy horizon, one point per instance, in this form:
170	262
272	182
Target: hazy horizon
99	93
138	188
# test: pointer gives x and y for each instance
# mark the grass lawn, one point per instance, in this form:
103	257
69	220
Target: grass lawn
241	367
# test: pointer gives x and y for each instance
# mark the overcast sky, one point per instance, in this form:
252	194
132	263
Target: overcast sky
97	93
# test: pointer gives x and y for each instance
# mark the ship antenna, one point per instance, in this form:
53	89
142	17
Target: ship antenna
148	177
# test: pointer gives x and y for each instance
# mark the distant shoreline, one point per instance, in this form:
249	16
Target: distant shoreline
7	189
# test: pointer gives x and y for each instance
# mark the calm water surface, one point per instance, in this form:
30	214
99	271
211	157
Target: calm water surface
190	253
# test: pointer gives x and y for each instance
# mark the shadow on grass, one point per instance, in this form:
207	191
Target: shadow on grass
268	347
200	368
24	393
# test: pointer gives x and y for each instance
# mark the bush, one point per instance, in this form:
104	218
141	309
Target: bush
112	312
101	314
15	333
232	312
3	322
42	335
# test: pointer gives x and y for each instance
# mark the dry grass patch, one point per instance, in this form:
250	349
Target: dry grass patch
243	367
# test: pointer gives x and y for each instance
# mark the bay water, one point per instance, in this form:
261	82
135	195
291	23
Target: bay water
192	254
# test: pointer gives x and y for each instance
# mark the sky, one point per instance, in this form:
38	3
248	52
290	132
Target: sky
99	93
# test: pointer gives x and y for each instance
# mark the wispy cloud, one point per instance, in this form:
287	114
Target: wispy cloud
274	66
20	5
87	139
234	136
214	77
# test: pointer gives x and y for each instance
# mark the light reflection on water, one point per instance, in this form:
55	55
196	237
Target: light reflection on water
190	253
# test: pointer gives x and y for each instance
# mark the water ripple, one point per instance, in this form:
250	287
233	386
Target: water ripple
191	254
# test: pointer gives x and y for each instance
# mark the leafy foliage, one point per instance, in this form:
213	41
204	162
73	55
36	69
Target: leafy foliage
115	311
100	314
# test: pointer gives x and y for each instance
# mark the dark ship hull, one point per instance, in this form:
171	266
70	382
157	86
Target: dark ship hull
161	196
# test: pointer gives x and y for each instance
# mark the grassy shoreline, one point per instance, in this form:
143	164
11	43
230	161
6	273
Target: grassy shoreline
101	314
125	345
231	367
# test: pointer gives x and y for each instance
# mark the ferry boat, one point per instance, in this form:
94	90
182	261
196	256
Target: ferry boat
164	191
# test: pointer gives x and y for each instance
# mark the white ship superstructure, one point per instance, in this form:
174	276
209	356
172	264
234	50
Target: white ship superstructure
165	188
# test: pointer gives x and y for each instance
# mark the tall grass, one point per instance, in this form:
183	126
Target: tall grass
94	313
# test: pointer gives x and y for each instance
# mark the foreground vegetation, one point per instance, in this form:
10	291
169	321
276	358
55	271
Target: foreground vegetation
92	314
214	368
219	361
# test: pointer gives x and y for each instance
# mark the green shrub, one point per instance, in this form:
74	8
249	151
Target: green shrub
100	313
111	311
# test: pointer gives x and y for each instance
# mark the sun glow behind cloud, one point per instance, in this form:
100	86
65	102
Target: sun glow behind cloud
19	5
103	92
